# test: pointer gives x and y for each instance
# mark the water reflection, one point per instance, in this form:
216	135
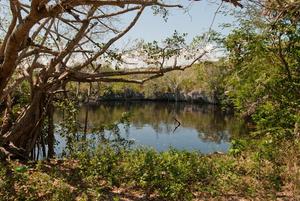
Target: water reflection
203	128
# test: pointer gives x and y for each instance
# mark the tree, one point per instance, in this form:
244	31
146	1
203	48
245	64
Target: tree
263	66
42	41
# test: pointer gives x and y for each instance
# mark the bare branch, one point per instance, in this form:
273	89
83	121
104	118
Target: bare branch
72	75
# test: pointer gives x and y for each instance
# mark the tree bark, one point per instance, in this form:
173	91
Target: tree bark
26	130
6	120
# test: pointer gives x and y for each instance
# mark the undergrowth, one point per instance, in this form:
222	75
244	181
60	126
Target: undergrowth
251	170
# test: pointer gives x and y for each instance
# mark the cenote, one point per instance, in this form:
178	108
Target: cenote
203	128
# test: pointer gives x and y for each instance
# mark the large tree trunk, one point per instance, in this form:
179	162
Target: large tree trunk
26	130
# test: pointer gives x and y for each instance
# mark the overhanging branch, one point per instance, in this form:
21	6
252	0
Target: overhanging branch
71	75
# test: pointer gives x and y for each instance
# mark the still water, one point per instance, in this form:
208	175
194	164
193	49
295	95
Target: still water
203	128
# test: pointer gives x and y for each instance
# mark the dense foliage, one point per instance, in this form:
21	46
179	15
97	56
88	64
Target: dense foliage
107	174
264	72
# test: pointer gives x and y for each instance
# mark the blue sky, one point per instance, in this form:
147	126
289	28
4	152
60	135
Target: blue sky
195	22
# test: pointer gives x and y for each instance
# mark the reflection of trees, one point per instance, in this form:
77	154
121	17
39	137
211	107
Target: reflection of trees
217	137
209	121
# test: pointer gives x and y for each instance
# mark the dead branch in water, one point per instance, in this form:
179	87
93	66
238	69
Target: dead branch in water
179	124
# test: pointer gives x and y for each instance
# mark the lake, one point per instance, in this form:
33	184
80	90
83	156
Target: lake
203	128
